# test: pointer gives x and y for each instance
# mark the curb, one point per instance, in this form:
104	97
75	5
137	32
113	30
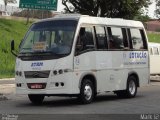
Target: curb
7	81
155	78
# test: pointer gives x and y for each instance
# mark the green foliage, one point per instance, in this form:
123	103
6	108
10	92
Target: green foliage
142	18
106	8
154	37
9	29
157	11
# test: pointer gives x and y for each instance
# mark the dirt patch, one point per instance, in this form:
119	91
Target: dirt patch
3	97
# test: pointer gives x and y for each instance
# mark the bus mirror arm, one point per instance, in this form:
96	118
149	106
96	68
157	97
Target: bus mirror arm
13	48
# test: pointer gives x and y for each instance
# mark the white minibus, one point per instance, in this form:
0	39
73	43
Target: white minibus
82	56
154	51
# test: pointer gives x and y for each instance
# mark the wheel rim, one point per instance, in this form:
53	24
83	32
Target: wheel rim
132	87
88	92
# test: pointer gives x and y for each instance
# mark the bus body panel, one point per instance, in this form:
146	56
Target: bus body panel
111	73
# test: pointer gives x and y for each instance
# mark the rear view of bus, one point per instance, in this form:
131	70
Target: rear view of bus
82	56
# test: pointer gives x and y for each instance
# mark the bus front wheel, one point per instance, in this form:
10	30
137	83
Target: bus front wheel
36	99
86	92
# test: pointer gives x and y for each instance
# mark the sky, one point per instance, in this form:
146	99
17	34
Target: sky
60	7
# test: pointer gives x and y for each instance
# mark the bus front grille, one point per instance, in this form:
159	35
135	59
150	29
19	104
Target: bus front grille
36	74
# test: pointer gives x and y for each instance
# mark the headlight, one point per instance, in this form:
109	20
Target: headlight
55	72
60	71
19	73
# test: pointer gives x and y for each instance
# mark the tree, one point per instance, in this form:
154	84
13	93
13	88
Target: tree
157	11
106	8
142	18
8	1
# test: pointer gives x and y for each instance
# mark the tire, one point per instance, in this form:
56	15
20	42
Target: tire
36	99
87	92
131	89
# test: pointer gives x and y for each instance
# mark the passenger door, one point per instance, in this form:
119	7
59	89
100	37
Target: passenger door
84	60
103	60
118	47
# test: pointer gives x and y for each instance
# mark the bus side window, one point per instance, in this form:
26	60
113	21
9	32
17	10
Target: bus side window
101	37
138	39
85	39
115	38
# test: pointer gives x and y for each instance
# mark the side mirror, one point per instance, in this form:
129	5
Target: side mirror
13	48
12	45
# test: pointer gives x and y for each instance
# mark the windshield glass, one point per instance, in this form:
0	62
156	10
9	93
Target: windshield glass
49	37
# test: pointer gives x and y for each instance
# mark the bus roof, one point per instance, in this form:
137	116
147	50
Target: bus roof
85	19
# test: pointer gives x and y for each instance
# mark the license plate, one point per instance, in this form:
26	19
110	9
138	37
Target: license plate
36	86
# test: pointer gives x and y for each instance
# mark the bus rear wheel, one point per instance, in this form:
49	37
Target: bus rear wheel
87	92
131	89
36	99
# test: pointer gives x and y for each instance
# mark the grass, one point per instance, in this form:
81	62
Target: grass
13	29
9	30
154	37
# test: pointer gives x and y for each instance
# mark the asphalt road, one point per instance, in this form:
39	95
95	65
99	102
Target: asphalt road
146	106
147	101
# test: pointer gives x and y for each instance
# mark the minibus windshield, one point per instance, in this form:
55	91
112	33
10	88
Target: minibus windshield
55	37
